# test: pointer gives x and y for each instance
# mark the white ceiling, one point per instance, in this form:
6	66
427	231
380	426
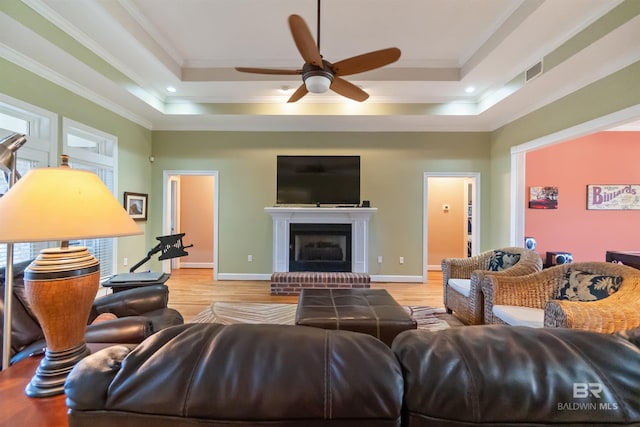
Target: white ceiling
194	45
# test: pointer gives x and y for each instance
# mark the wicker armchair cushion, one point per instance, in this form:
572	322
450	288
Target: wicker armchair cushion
462	286
585	286
501	260
519	316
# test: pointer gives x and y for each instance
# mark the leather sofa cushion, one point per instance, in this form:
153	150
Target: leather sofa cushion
163	318
244	374
25	328
508	375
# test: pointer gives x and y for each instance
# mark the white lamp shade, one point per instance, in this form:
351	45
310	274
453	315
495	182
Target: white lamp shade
317	84
61	204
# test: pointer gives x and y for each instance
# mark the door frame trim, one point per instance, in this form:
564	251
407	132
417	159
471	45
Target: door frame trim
166	175
475	212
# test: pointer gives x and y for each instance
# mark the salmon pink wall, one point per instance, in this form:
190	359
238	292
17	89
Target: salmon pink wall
602	158
196	219
447	230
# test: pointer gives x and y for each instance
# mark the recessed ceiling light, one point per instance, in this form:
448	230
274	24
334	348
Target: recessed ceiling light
470	89
285	88
171	89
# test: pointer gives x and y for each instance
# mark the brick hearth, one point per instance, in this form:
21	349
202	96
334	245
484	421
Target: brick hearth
290	283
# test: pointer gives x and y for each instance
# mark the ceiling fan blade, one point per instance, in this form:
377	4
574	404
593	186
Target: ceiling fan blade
304	41
366	61
267	71
345	88
299	93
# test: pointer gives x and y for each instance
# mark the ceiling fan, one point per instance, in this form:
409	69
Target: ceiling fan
320	75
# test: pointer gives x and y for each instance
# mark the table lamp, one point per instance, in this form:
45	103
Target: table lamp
61	283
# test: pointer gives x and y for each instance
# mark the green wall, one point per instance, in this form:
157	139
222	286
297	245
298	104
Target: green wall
134	141
392	176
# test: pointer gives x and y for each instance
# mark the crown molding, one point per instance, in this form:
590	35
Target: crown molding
46	73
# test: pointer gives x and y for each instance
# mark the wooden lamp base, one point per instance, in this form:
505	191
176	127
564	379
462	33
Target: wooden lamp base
61	285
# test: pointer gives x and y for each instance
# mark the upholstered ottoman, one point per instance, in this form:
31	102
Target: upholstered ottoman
369	311
239	375
515	376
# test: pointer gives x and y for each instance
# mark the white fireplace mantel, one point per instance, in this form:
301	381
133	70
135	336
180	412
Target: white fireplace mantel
357	217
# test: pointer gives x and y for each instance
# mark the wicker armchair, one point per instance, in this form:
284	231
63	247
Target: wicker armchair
618	312
473	270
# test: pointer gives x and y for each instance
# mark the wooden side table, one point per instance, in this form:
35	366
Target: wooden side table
16	409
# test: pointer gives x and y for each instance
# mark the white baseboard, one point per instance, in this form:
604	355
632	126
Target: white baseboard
243	276
196	265
400	279
437	267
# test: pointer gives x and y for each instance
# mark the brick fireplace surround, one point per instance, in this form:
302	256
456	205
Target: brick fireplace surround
357	217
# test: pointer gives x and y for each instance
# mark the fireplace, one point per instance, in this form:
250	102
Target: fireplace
319	247
356	218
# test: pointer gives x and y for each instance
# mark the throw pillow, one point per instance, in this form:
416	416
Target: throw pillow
585	286
501	260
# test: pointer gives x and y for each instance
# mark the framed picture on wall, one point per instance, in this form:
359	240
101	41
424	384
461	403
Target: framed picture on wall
613	197
543	197
136	205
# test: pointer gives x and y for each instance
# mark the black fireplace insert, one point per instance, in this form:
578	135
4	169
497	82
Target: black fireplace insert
320	247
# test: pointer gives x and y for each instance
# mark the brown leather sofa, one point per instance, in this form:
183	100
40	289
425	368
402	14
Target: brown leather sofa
507	376
275	375
241	375
141	312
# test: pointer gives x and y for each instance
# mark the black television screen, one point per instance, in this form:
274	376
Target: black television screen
333	180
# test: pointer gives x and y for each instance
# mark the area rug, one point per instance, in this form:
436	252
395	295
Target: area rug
284	314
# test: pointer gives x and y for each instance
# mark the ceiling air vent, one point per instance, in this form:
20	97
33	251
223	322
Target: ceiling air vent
533	72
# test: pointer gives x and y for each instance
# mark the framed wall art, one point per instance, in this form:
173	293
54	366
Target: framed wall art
613	197
543	197
136	205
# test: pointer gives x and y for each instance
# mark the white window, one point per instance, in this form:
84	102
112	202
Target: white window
40	128
96	151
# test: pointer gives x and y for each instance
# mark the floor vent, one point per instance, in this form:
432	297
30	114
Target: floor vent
533	72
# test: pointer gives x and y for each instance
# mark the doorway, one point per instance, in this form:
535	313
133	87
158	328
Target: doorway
451	217
190	206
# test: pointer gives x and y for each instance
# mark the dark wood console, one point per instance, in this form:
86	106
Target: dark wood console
630	258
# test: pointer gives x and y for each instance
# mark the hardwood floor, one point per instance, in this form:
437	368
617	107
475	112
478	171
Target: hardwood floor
192	290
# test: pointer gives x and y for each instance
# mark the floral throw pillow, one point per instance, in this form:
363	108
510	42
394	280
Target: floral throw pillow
501	260
585	286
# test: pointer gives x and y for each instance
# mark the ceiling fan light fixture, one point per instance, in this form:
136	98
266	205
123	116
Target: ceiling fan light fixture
318	84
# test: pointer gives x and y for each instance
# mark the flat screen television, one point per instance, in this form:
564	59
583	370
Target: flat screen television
331	180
